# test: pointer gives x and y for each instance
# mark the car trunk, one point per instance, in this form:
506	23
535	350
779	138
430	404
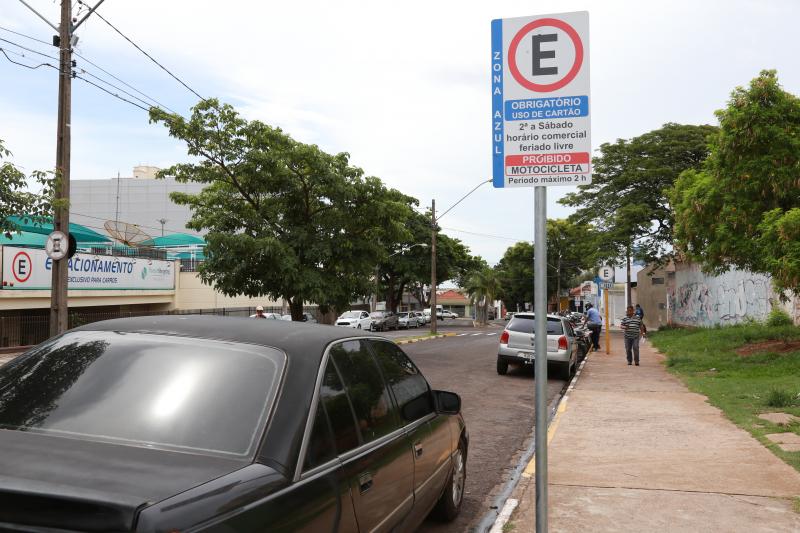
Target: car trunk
71	484
521	335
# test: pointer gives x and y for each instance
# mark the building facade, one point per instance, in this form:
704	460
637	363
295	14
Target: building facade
141	200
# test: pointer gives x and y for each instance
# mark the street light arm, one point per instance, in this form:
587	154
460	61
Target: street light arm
39	15
462	198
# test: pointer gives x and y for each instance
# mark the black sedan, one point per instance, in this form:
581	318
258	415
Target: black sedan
224	424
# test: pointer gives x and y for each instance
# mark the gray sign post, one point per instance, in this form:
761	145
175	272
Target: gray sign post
541	137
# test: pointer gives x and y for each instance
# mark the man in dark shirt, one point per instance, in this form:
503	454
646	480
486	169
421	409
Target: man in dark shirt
632	328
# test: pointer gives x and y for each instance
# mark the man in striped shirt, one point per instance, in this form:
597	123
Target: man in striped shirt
633	328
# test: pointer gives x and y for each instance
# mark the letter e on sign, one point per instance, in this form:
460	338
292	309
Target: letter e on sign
606	273
21	267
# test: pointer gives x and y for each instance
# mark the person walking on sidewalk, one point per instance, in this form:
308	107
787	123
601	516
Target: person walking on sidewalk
633	328
595	324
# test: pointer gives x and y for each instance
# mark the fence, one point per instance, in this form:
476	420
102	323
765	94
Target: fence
27	330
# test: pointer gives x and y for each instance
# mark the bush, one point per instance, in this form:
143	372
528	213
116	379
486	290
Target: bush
780	398
779	317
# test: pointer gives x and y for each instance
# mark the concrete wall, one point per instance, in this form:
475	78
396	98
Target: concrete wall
191	293
653	283
701	300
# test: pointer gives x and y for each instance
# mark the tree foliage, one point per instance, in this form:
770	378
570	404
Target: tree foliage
483	286
571	249
408	266
742	209
628	197
16	200
284	219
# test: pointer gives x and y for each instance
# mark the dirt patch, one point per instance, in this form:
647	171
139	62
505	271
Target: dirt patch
769	346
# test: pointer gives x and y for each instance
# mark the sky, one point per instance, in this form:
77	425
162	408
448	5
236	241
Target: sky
404	88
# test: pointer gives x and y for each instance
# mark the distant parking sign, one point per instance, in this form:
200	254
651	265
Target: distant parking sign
541	130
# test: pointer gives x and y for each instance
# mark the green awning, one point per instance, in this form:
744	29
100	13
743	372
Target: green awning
176	239
25	238
82	234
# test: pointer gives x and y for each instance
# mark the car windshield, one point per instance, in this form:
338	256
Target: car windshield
525	324
403	315
351	314
377	314
138	389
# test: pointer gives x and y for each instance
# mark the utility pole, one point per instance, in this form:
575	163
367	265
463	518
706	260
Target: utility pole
60	272
58	294
434	315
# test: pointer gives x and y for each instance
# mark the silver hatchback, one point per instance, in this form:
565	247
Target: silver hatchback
517	344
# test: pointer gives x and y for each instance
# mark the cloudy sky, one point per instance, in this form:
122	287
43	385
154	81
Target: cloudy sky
404	87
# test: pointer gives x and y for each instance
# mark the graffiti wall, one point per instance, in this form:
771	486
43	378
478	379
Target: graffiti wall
697	299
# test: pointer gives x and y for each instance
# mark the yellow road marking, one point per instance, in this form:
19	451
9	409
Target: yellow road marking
530	470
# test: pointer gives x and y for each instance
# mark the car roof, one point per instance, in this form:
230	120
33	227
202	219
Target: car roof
529	314
303	343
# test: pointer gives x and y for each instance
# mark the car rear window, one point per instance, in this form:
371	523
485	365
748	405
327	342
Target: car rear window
526	324
141	389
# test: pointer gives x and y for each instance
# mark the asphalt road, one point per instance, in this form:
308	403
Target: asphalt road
498	411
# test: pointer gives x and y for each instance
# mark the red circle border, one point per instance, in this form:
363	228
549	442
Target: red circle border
576	65
14	270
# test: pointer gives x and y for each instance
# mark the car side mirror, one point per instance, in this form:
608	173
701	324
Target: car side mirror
448	403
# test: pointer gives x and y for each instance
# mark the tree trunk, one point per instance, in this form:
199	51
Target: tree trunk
296	306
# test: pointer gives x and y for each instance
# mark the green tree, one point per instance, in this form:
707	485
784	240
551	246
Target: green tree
16	200
284	219
515	271
571	249
628	199
483	287
742	209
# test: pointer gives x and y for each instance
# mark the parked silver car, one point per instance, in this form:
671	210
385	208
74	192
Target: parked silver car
408	320
517	344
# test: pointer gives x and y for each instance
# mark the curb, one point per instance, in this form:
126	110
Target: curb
556	409
410	341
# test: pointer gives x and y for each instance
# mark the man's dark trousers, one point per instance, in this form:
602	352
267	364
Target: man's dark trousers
595	329
632	349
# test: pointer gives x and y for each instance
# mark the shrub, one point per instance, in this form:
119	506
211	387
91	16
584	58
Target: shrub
779	317
780	398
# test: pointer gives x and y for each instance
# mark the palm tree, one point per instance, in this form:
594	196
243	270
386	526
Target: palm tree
482	286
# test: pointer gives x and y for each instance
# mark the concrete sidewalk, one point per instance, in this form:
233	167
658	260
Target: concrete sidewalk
634	450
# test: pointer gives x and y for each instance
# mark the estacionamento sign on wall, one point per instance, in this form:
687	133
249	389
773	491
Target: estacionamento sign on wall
31	269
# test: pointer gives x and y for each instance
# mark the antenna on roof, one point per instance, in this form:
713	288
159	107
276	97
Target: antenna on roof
128	234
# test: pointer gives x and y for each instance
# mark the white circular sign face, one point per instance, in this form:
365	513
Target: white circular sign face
606	273
57	245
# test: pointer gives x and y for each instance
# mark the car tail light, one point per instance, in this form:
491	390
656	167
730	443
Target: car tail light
504	337
562	342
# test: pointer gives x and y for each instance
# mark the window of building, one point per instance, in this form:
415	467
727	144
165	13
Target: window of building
657	281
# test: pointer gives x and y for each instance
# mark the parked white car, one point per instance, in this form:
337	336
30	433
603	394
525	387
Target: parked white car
355	319
517	344
449	314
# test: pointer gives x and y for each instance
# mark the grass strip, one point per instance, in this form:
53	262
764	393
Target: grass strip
742	386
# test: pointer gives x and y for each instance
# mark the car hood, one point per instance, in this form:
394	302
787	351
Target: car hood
92	486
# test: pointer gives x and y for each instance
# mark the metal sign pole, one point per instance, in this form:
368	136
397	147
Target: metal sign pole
540	349
608	335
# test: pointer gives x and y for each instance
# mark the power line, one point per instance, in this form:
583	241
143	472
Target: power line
23	64
125	83
115	95
148	97
26	36
486	235
101	80
151	58
29	49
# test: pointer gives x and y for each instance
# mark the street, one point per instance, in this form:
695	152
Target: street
498	411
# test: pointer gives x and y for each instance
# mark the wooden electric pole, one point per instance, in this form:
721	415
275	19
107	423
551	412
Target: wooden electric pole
58	294
434	315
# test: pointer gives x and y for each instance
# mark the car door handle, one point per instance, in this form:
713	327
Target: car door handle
364	482
418	449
